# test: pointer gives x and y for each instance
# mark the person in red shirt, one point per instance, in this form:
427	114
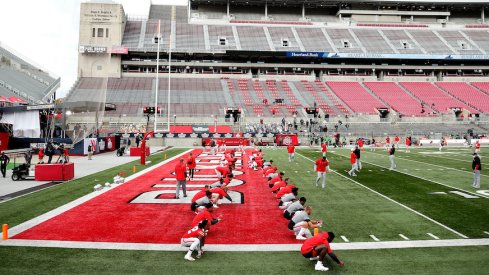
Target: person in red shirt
316	248
205	215
191	164
270	170
194	239
222	171
353	161
408	144
219	193
41	155
285	190
387	143
360	144
201	193
279	184
396	140
275	179
321	166
291	152
477	147
227	180
324	149
181	176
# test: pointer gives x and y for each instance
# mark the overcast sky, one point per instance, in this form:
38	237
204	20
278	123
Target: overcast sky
46	32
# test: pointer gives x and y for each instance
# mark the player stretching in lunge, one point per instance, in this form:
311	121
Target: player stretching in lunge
300	223
317	247
194	239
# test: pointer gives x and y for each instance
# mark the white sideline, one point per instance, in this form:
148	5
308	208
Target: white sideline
244	247
55	212
396	202
446	185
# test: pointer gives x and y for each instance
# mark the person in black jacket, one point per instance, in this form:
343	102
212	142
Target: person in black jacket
4	161
476	167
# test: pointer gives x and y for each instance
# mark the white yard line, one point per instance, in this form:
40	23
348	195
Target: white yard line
374	238
404	237
245	247
345	239
396	202
486	232
55	212
433	236
412	175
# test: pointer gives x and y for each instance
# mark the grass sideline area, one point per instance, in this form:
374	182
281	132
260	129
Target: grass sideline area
22	209
346	207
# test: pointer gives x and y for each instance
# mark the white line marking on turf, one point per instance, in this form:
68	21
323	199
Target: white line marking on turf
246	247
374	238
486	232
396	202
446	185
345	239
404	237
433	236
55	212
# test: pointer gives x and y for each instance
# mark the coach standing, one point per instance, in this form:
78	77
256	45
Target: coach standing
4	160
181	176
392	158
476	167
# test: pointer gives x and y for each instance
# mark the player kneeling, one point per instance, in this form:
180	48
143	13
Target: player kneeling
300	224
317	247
194	239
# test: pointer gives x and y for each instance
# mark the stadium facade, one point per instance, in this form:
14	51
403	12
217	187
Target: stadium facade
380	62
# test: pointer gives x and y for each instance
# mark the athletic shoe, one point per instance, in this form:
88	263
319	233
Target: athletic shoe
314	258
190	259
215	206
320	267
184	196
300	238
354	175
200	254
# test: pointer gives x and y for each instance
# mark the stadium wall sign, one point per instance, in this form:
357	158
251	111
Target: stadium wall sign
408	56
92	49
199	129
308	54
119	50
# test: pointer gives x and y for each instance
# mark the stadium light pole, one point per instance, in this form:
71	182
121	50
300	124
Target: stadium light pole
169	80
158	38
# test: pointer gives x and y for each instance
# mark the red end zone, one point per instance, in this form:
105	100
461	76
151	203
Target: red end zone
117	216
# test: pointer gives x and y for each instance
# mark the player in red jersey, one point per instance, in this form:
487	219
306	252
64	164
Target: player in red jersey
191	164
205	215
353	161
317	247
285	190
387	143
443	142
291	152
408	144
276	179
219	193
477	147
194	239
321	166
222	171
181	176
198	204
396	141
360	144
227	180
279	184
324	149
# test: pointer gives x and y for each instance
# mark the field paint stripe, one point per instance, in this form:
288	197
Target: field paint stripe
404	237
374	238
345	239
433	236
55	212
432	156
245	247
446	185
486	232
444	167
396	202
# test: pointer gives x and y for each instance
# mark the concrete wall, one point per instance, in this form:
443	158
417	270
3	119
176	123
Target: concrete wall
110	19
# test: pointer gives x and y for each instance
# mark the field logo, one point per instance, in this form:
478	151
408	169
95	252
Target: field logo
287	140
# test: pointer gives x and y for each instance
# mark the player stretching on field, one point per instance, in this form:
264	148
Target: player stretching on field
194	239
291	152
300	223
321	166
317	247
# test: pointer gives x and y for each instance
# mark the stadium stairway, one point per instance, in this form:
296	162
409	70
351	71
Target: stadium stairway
373	94
298	95
227	94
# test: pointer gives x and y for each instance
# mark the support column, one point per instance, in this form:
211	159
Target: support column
266	10
227	9
303	12
483	19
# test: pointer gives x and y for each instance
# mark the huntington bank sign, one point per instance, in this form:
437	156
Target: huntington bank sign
308	54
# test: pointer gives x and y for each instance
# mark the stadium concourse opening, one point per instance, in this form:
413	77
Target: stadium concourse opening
143	210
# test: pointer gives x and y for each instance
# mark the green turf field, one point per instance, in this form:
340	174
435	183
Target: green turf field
377	202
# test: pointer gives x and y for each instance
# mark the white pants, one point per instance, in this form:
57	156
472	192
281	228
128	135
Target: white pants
323	176
353	168
299	230
393	162
192	243
477	179
359	165
285	205
408	147
291	157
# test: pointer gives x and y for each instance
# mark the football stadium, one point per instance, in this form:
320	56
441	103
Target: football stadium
252	137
